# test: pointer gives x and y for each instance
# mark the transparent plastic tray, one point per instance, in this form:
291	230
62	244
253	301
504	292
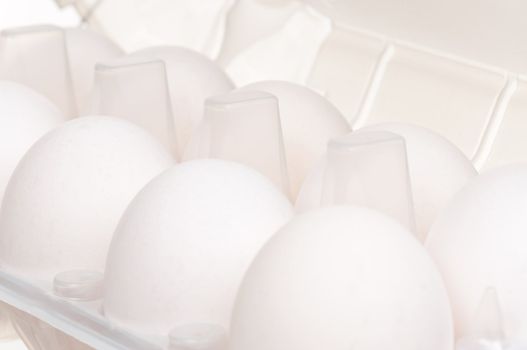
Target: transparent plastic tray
456	67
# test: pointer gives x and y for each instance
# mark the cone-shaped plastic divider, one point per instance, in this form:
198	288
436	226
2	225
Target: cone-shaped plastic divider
243	126
136	89
488	323
487	331
36	56
369	169
56	62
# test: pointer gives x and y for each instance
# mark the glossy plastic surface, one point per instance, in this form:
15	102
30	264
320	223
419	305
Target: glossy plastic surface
367	169
161	89
243	126
308	122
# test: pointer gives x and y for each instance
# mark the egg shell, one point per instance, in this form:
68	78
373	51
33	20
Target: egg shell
479	242
24	117
184	243
342	278
68	192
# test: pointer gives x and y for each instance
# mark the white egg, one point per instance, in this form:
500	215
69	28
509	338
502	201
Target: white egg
24	117
342	278
184	243
308	122
57	62
438	170
192	78
68	192
479	242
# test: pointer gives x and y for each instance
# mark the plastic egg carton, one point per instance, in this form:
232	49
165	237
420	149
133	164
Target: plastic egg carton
416	62
434	64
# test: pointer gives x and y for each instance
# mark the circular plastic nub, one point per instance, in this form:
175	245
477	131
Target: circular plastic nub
78	285
198	337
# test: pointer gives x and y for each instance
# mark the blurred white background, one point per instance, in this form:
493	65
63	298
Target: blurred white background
27	12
